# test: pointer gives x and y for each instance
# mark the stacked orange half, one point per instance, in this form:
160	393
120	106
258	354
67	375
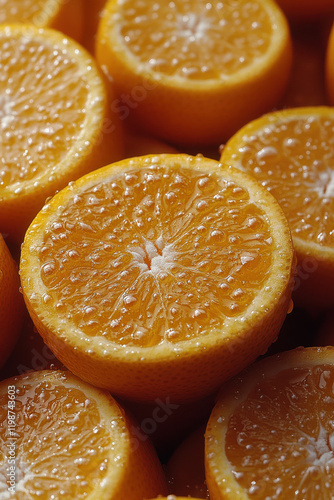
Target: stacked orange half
159	276
61	438
56	123
291	153
192	71
270	434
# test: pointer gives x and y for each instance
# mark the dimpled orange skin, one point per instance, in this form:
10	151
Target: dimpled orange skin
197	366
11	305
182	112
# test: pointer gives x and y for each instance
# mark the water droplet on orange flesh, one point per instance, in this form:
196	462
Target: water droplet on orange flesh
291	153
52	130
177	258
271	434
71	440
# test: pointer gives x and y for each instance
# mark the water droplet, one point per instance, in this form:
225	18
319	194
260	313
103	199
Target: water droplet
217	235
129	299
202	205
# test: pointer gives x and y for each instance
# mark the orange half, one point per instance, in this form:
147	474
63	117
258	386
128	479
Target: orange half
191	71
56	123
67	439
159	275
270	434
291	153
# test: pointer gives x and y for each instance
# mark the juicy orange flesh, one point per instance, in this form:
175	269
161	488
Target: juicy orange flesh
280	440
42	106
194	39
294	161
33	11
155	254
62	443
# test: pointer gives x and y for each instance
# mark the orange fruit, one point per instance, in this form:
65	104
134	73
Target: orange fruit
193	72
270	434
290	153
301	10
11	303
330	66
70	440
55	121
62	15
159	276
185	469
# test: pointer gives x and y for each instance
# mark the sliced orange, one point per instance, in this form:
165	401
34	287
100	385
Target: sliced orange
301	10
185	468
291	153
70	440
159	276
193	72
11	303
270	434
56	122
64	15
330	66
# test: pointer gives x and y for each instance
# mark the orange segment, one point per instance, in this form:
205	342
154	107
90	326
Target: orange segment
183	68
11	304
63	15
159	275
271	433
55	121
290	152
71	440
